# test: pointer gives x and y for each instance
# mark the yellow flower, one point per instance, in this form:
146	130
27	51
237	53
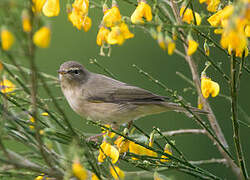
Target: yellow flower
171	45
209	87
234	40
86	23
107	149
81	7
44	114
79	171
167	150
125	31
7	39
151	153
119	34
140	150
247	31
80	21
107	132
161	42
212	5
143	10
188	16
112	17
51	8
26	21
37	5
102	36
136	149
32	120
94	177
122	144
7	86
39	177
117	173
192	46
75	19
42	37
218	17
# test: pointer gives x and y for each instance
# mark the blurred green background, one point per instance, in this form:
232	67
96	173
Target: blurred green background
70	44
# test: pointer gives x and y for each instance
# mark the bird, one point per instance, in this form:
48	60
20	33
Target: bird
109	101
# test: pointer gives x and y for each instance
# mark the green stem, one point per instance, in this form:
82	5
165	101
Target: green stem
235	122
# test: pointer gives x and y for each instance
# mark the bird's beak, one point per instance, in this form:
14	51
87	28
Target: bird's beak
61	72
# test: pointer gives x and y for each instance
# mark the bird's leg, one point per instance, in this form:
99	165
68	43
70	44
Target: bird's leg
95	137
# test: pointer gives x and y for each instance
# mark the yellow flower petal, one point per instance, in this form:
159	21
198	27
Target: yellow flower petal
81	7
44	114
112	17
117	173
215	89
209	87
87	23
26	21
7	86
75	19
51	8
115	36
42	37
39	177
161	42
212	5
94	177
247	31
167	150
79	171
108	150
37	5
102	36
143	10
125	31
7	39
216	18
188	16
171	47
192	47
122	144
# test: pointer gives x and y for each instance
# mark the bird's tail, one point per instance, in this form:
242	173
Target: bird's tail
179	108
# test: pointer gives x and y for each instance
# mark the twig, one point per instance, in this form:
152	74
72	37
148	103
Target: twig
174	158
235	123
22	163
184	131
209	161
94	61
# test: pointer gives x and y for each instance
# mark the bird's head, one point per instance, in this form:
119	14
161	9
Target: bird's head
72	73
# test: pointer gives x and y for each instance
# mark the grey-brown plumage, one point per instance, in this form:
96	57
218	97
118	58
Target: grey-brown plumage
107	100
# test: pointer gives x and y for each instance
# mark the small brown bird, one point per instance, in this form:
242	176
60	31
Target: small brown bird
104	99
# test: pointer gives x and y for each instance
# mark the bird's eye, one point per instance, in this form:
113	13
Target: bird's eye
76	71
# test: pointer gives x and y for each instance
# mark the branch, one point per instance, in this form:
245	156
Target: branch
184	131
235	122
211	117
22	163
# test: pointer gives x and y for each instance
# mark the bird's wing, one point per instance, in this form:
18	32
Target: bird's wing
104	89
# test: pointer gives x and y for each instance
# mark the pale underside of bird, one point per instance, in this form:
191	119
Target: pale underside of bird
107	100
